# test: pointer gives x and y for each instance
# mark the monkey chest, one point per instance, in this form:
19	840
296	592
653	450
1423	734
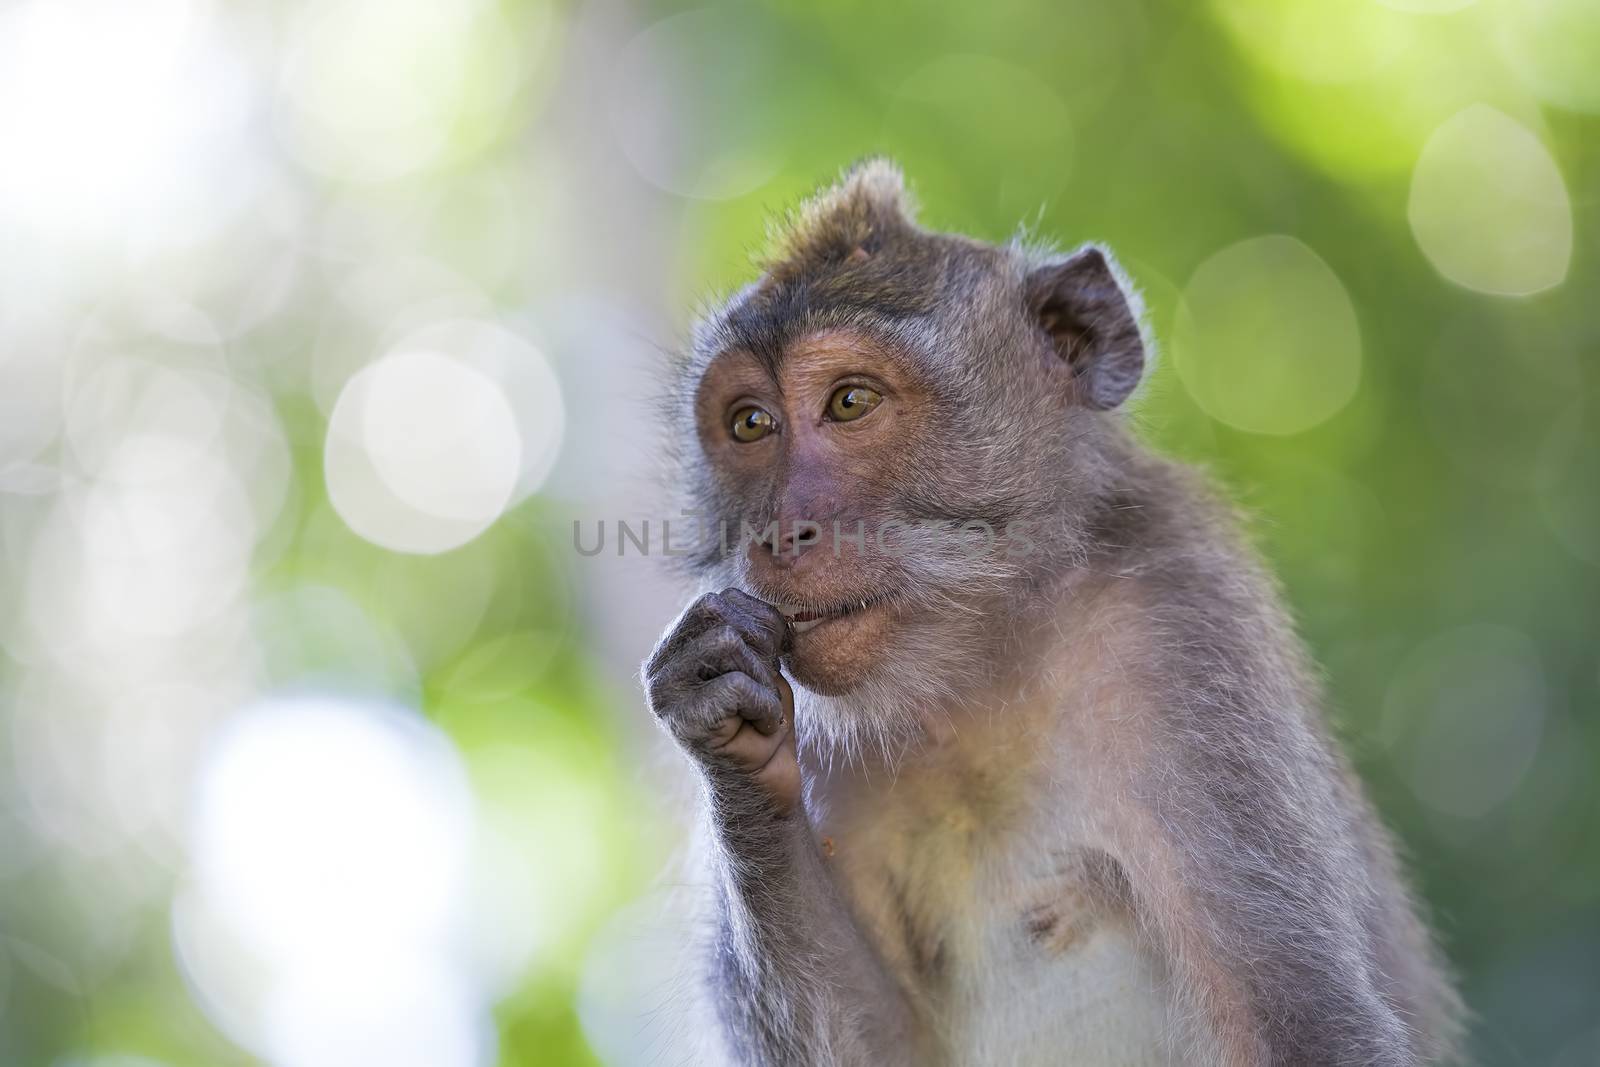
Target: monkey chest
1009	955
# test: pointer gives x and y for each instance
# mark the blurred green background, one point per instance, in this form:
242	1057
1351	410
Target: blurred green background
320	324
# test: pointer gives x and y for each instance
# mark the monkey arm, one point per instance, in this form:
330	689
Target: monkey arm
796	981
1249	873
793	979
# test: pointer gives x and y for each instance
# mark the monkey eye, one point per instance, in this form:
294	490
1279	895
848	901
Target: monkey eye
752	424
851	402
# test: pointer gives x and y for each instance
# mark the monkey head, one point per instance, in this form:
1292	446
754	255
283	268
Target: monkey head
897	435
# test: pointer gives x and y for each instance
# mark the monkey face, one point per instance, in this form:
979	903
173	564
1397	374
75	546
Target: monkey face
816	458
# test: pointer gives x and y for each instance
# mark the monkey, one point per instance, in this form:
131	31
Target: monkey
1059	795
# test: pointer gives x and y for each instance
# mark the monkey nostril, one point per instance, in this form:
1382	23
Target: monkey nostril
789	539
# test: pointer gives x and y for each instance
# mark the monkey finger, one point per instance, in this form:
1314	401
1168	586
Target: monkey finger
699	616
762	624
702	657
747	750
725	649
745	659
738	694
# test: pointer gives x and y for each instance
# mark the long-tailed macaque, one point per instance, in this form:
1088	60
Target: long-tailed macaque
1010	753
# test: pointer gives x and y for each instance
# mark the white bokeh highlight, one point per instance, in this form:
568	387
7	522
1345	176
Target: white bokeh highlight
423	452
1488	206
121	113
525	377
441	436
325	826
330	854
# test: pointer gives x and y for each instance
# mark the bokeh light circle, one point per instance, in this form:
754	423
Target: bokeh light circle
428	1018
369	844
1554	46
1464	718
156	547
441	436
1488	206
523	374
1266	338
112	394
423	452
330	849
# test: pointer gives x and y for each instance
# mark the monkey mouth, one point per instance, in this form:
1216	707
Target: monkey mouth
803	617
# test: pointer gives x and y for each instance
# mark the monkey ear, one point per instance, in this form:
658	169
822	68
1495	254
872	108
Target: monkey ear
1092	322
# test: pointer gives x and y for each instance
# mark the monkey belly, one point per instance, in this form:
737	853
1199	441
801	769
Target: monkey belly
1090	997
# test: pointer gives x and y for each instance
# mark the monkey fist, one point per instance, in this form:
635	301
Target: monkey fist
713	682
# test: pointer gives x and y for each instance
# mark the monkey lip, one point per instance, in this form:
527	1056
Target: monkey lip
805	617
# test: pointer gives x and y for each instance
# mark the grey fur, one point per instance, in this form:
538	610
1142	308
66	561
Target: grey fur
1232	831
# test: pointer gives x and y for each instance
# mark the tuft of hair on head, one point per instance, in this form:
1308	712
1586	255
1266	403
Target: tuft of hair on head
845	222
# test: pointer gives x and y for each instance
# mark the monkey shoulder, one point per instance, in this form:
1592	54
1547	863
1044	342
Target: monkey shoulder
1177	695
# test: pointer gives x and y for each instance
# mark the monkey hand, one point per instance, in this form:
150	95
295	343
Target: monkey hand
713	682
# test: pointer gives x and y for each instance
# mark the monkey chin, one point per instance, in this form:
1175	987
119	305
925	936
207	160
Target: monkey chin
835	656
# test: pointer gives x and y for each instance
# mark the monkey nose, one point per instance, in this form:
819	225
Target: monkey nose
786	542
